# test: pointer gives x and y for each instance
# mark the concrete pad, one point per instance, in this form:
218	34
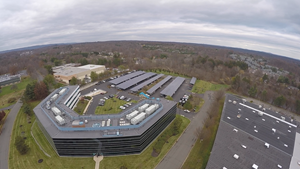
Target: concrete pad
98	159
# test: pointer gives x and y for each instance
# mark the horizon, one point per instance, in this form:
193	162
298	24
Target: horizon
264	25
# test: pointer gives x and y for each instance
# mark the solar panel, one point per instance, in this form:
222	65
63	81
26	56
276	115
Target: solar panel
172	87
158	85
126	77
134	81
138	87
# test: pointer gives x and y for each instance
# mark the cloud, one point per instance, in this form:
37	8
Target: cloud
264	25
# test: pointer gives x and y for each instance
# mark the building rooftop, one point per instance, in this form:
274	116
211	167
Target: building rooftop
244	124
69	71
90	66
93	128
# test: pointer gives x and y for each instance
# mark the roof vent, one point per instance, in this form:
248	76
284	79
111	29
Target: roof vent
254	166
244	146
234	102
229	101
267	145
289	131
228	118
255	131
283	118
274	130
263	119
224	168
285	145
278	138
279	166
240	109
235	130
236	156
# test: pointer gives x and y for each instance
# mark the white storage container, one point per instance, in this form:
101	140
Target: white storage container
138	118
151	109
142	108
56	111
60	120
62	91
54	97
131	115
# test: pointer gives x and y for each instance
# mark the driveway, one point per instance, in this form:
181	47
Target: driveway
6	108
6	133
180	151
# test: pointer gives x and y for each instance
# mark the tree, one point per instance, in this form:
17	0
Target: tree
279	101
29	92
94	76
264	95
252	91
26	109
265	77
40	91
298	106
2	115
21	146
49	80
49	69
73	81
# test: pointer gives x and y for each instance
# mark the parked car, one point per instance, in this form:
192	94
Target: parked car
111	96
112	86
126	105
122	107
122	97
105	98
128	100
187	111
103	81
129	104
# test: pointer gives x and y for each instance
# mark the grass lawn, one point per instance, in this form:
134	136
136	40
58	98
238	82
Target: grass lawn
202	86
199	105
3	120
6	93
200	153
80	107
111	106
30	160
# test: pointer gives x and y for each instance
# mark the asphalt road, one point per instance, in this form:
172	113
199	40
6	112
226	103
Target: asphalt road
6	133
180	151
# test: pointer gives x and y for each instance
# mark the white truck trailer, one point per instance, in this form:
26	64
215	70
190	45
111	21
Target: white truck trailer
131	115
142	108
56	111
138	118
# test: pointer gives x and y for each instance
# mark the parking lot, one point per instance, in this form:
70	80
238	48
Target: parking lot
183	89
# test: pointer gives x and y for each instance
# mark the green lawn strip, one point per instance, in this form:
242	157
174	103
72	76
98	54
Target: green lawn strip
80	106
199	105
200	153
16	161
110	107
202	86
20	86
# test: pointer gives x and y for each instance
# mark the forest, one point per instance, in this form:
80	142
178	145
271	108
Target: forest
205	62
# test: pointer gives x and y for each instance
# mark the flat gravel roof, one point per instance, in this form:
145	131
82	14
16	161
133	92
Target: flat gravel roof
147	82
135	81
173	87
158	85
126	77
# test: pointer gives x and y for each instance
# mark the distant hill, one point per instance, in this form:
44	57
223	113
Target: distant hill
33	47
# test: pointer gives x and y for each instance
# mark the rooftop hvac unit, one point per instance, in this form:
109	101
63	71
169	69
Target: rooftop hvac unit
260	113
56	111
244	146
283	118
108	122
274	130
103	123
142	108
78	123
254	166
260	106
279	166
236	156
62	91
138	118
224	168
267	145
54	97
131	115
229	101
234	102
60	120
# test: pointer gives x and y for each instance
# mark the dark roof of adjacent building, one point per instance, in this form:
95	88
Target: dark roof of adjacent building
126	77
244	123
147	82
47	119
159	84
193	81
173	86
135	81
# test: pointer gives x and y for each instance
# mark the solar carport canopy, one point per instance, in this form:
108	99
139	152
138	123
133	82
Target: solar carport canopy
193	81
135	81
126	77
172	87
138	87
158	85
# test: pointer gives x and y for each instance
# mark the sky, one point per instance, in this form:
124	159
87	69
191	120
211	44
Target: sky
271	26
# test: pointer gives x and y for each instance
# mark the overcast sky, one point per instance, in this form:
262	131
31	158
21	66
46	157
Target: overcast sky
264	25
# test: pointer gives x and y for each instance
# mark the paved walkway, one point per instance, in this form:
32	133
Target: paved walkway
6	108
180	151
6	133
